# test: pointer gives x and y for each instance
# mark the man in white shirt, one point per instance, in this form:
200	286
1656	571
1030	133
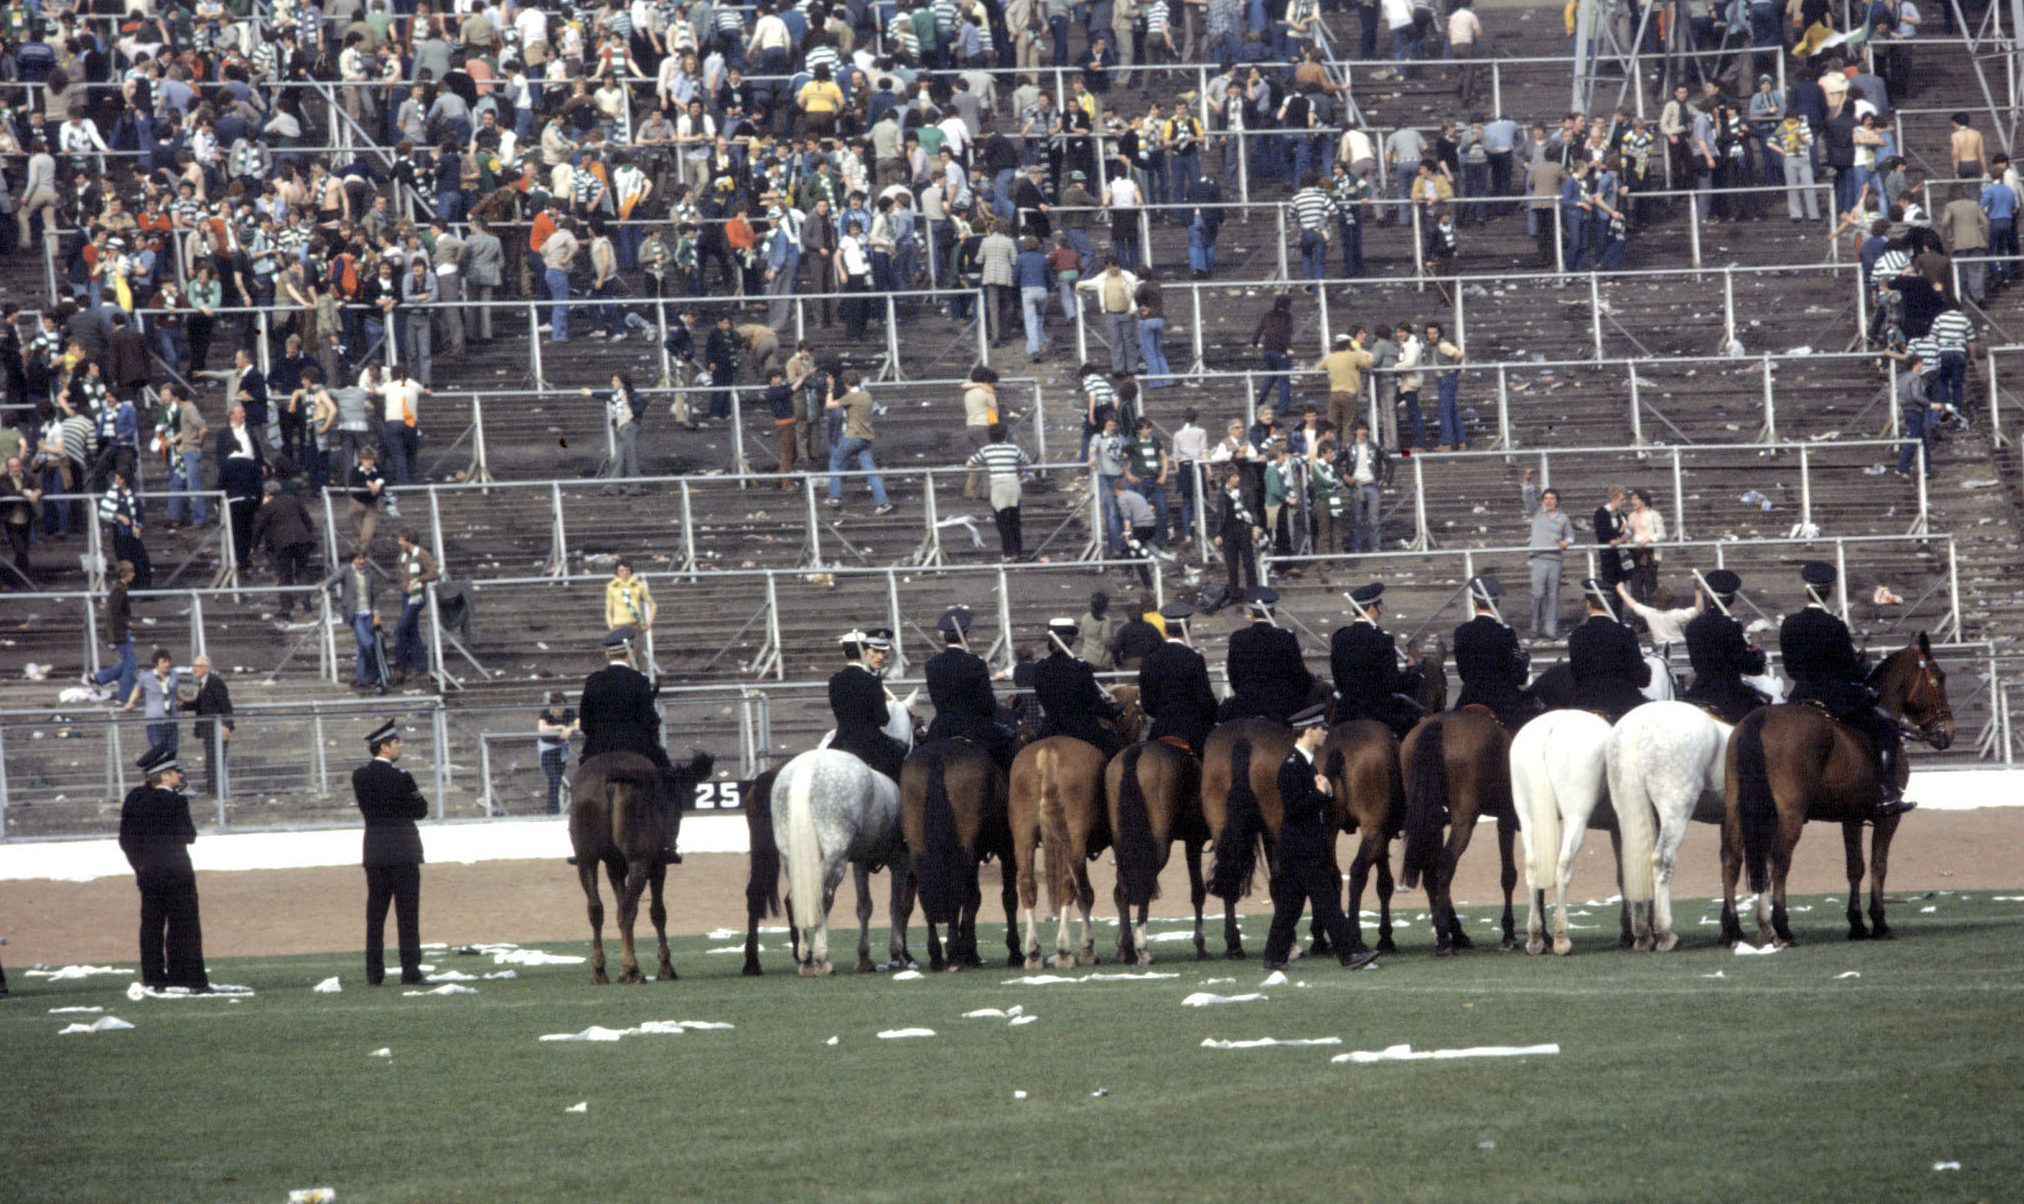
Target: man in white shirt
1363	471
1465	35
1191	449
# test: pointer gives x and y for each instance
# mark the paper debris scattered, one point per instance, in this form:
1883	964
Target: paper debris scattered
1261	1042
1099	1093
104	1024
448	988
593	1033
329	986
1202	999
381	1052
1275	979
499	974
1745	948
1848	974
893	1034
1124	977
1210	982
513	955
579	1106
1927	910
452	976
61	1011
1406	1053
995	1013
1019	1020
139	991
1716	974
68	972
831	1041
908	976
1946	1166
312	1195
1018	1095
1038	980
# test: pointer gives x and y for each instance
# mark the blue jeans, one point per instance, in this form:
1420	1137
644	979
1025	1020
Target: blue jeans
1367	512
188	477
162	738
1453	432
1033	305
124	671
1201	248
1278	363
1113	522
840	456
1915	428
558	314
1155	495
1157	374
1952	379
1184	481
1058	28
408	637
1313	254
1413	415
363	672
1351	234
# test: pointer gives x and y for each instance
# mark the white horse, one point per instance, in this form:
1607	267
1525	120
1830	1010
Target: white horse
1667	761
829	809
1558	769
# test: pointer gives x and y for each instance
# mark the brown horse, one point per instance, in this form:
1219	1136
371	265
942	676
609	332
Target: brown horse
762	883
1457	769
1153	792
1361	759
623	811
953	813
1240	807
1057	807
1789	764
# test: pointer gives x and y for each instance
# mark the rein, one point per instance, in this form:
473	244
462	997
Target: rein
1926	684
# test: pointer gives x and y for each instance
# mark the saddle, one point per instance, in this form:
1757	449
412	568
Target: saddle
1177	742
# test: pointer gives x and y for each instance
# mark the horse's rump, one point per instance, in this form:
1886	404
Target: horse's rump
762	884
1137	860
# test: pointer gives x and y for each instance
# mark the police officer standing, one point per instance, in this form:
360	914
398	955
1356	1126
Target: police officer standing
1074	704
959	684
155	833
1304	871
391	803
1609	669
1493	664
1820	657
857	700
1721	654
1174	687
1365	664
1268	675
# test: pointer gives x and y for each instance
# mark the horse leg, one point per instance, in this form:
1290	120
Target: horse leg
861	874
1732	869
1029	896
1359	877
1507	838
1233	937
1198	892
1851	844
898	911
753	909
628	915
1085	899
1009	893
586	873
1626	921
1879	863
1665	860
967	955
1781	866
1145	949
818	964
1126	952
1535	923
1385	888
657	911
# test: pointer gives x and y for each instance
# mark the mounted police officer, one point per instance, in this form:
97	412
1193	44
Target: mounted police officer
1303	868
1721	654
1609	669
391	803
1365	664
1493	665
616	712
1820	657
155	833
959	684
1066	688
857	700
1268	675
1174	687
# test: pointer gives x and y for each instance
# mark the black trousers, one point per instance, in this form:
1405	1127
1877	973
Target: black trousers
1009	540
172	940
1295	884
241	511
291	567
130	549
1241	559
401	886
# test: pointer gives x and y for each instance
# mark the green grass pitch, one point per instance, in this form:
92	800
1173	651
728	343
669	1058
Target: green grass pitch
1781	1078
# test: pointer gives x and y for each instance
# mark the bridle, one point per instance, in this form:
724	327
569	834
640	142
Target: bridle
1926	685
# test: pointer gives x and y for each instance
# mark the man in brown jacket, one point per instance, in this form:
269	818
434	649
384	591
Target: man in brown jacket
1964	228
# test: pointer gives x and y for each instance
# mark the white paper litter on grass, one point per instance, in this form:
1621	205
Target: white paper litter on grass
1016	1021
579	1106
62	973
725	934
1848	974
329	986
139	991
381	1052
908	976
996	1013
1406	1053
894	1034
1716	974
593	1033
733	949
104	1024
1927	910
452	976
61	1011
1121	977
448	988
1211	982
649	1028
831	1041
1744	949
1018	1095
1275	979
2006	898
502	974
1946	1166
1038	980
1262	1042
515	956
1202	999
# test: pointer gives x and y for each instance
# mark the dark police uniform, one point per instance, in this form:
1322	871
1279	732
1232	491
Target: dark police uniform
966	707
1073	703
857	699
1303	869
1494	668
1820	657
1368	679
391	803
617	713
1610	671
1135	641
1174	689
1722	657
1268	676
155	833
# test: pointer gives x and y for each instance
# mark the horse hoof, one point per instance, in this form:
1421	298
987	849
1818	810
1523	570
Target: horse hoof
751	970
1444	951
1125	956
951	968
1033	961
1509	944
1535	946
1462	942
1643	944
597	979
1234	953
1201	952
1319	948
1387	945
1563	947
1145	958
1880	933
665	974
937	965
807	970
865	966
1086	958
1665	942
632	977
1014	961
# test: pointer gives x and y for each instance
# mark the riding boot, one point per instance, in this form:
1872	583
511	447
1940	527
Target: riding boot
1890	796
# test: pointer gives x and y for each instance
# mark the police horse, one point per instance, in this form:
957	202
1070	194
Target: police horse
1559	768
1789	764
830	810
1457	770
623	811
954	816
1152	792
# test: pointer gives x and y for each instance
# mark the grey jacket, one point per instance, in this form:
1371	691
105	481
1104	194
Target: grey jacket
484	259
349	600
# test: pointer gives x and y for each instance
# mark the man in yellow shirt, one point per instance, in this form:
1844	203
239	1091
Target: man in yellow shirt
628	603
819	100
1345	365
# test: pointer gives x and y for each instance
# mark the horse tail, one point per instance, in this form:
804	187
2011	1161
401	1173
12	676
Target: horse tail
1756	809
804	847
1137	871
939	867
762	885
1426	801
1538	805
1061	892
1243	827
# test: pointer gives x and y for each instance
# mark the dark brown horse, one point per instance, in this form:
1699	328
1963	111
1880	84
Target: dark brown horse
1240	807
1361	759
1789	764
624	810
1457	769
762	883
1153	797
953	812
